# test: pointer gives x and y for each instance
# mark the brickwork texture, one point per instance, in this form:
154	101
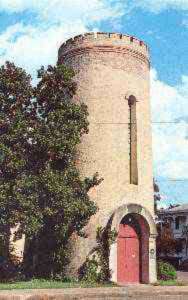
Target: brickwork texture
109	69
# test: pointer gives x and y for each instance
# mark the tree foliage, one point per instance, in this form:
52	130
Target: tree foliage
166	243
96	267
157	196
40	185
16	93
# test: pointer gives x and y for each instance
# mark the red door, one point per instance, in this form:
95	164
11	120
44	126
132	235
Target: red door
128	264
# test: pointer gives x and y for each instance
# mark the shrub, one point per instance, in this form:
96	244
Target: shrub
96	268
9	271
165	271
91	271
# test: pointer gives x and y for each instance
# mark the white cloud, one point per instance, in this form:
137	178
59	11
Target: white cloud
158	5
185	22
31	46
86	10
170	142
13	5
162	205
59	10
93	8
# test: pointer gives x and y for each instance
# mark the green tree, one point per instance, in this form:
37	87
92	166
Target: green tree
41	188
166	244
16	111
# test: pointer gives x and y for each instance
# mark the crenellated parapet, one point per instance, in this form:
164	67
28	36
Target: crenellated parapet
104	42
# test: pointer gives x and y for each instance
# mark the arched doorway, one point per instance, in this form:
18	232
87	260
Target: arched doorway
133	250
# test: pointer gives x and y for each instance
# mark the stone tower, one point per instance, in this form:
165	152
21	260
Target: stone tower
112	74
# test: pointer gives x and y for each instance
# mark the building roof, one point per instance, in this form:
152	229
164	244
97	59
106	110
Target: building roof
178	209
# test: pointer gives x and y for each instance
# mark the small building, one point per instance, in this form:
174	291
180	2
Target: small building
177	219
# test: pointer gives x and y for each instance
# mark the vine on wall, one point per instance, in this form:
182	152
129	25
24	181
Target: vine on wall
96	267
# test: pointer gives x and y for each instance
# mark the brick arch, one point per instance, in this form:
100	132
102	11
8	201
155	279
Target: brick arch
147	225
134	209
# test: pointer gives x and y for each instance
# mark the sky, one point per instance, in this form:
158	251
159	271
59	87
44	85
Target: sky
31	32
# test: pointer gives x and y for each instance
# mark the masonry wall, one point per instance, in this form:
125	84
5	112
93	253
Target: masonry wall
109	68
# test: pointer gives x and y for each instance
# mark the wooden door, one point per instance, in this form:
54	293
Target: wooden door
128	262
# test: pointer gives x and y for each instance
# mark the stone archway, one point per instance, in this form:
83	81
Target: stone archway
146	234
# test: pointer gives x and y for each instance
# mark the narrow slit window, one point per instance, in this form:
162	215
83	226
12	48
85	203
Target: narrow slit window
133	140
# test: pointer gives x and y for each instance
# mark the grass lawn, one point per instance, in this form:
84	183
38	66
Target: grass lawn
49	284
169	283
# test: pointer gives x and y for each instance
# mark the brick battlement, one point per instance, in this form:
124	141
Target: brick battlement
104	40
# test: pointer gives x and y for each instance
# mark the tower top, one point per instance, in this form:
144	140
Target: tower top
103	41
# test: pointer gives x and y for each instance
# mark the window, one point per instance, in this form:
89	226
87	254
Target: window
177	223
133	140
